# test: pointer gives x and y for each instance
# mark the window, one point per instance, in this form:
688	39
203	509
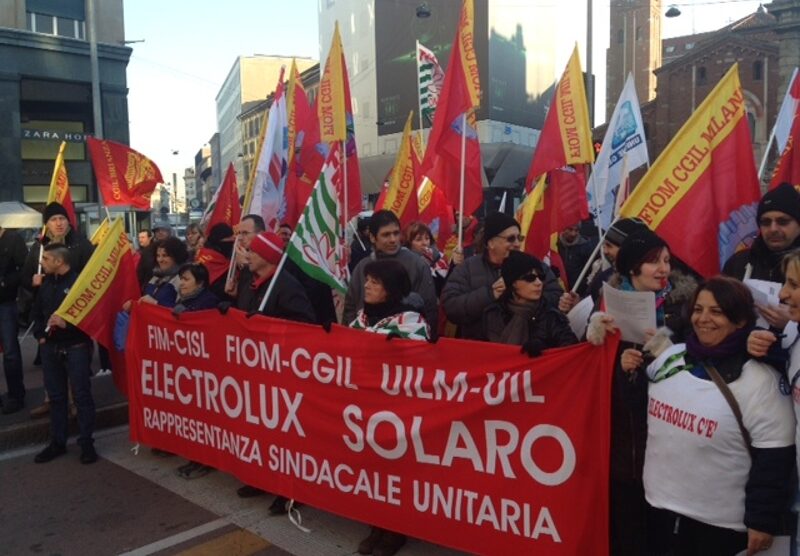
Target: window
669	49
56	25
700	76
43	23
689	46
620	36
638	33
758	70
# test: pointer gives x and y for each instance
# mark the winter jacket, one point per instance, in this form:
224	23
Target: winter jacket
320	295
146	264
288	299
766	264
418	272
629	390
51	293
203	299
12	258
547	326
574	258
80	249
163	289
468	292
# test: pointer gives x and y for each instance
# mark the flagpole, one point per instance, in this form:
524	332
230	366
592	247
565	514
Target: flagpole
419	95
766	154
461	182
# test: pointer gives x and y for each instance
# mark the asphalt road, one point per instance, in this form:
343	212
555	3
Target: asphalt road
135	504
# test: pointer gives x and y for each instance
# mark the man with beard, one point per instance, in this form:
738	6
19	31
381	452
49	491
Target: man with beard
778	219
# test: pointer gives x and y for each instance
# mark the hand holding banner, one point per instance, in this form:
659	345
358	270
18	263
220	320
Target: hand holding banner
465	444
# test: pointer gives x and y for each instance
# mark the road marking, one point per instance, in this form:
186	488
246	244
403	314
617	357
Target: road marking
169	542
240	542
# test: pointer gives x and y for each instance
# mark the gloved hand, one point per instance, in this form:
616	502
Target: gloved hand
533	348
223	307
326	326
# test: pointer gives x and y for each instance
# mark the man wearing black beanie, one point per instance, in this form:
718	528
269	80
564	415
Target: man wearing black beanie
778	219
476	283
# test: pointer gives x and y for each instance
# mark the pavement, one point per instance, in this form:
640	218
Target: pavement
20	429
132	502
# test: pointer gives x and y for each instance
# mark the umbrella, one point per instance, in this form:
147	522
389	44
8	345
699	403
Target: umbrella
14	214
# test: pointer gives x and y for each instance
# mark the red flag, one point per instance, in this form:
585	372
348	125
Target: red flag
59	188
335	111
305	150
225	207
788	167
214	261
460	96
124	176
566	137
704	184
106	282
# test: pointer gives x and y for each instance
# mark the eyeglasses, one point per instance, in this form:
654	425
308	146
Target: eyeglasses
532	277
513	238
780	221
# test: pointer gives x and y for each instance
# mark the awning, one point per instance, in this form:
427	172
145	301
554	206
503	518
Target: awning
14	214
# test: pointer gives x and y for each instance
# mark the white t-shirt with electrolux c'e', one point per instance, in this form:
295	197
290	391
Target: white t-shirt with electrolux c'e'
697	462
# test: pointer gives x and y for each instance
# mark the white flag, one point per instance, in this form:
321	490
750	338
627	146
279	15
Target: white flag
783	123
625	135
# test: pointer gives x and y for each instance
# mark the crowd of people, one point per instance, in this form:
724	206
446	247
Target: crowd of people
727	488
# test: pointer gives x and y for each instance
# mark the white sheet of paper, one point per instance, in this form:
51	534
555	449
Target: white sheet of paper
765	293
780	546
633	312
579	316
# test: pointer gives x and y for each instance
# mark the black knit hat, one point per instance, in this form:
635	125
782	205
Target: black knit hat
635	248
518	264
495	223
783	198
54	209
622	228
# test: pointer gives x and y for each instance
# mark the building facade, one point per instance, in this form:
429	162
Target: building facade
521	51
251	78
46	92
634	47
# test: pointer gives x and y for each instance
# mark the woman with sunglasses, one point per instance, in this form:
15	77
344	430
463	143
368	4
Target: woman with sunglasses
521	316
643	264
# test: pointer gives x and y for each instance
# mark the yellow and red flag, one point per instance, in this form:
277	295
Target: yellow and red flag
459	98
305	150
335	112
59	187
704	185
566	137
125	177
401	195
556	202
225	207
106	282
100	233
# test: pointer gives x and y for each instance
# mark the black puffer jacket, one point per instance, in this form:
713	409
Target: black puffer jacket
629	390
547	326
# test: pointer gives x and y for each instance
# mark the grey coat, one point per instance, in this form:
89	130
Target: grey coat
421	282
468	292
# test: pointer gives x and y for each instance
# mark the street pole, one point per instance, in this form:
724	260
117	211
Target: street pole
590	77
97	107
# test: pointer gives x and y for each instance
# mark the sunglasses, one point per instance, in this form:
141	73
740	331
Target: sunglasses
780	221
531	277
513	238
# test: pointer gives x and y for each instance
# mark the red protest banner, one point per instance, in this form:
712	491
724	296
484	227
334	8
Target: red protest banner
460	443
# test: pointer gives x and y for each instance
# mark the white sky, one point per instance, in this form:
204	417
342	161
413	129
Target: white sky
189	47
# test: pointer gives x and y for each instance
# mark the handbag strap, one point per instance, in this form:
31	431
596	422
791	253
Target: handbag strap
731	399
